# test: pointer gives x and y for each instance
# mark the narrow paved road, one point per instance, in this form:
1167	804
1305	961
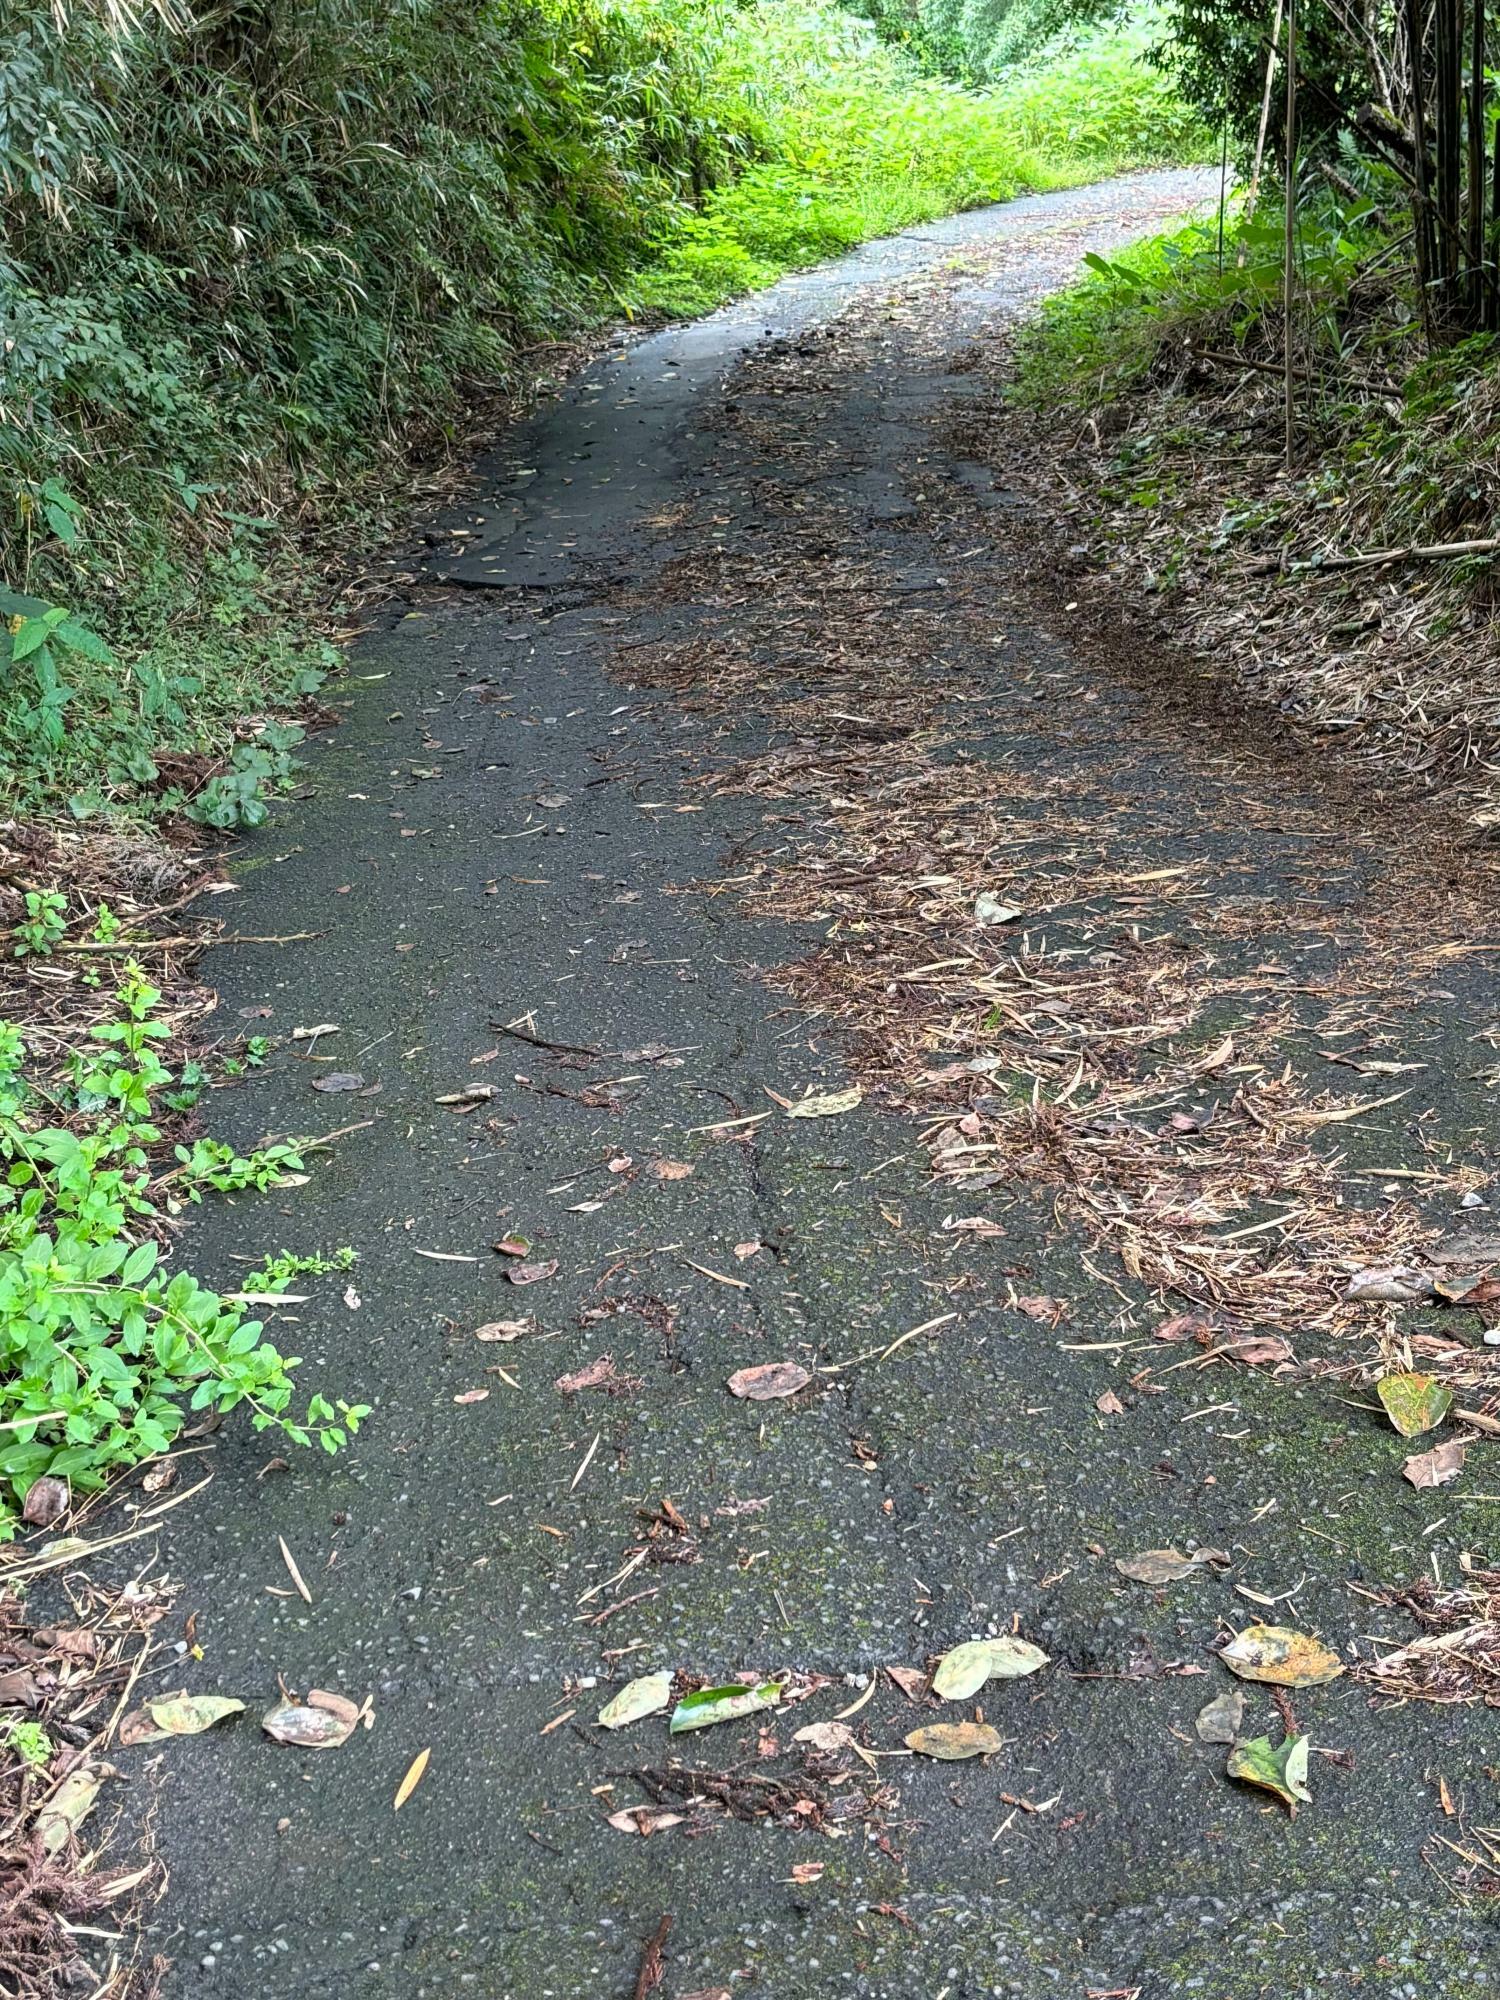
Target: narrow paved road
670	799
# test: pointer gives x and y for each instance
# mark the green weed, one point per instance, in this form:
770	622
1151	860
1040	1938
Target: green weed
98	1343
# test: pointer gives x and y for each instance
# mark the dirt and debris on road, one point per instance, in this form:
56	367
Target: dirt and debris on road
979	1144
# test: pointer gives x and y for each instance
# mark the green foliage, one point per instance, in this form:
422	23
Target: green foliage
28	1741
977	41
251	260
1094	96
864	145
278	1272
1216	52
98	1343
251	256
43	926
1170	293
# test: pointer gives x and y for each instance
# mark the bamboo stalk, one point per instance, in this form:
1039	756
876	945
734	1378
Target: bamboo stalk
1289	273
1265	109
1477	164
1421	197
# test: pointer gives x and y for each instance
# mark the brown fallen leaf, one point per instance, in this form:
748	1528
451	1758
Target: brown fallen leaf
827	1736
772	1379
339	1705
1436	1467
46	1501
502	1329
912	1682
1221	1719
532	1274
1181	1326
1043	1308
63	1814
951	1742
514	1246
600	1374
1389	1284
644	1820
471	1396
411	1781
1109	1404
303	1726
1260	1350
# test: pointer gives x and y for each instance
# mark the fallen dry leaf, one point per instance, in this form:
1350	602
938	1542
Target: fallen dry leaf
600	1374
644	1820
911	1681
1260	1350
1168	1565
471	1396
411	1781
768	1381
1277	1654
1043	1308
1109	1404
63	1814
502	1329
829	1105
951	1742
1389	1284
1436	1467
648	1695
829	1736
1219	1720
964	1671
532	1274
304	1726
46	1501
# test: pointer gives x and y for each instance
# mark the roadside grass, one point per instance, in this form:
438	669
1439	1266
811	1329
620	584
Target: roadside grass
864	146
1165	367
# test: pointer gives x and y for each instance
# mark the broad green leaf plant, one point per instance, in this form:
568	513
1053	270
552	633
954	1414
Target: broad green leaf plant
103	1351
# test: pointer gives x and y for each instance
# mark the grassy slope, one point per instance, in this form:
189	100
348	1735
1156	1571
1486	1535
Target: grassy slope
1182	459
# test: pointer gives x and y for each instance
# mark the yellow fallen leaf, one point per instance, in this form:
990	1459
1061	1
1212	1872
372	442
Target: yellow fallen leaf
1277	1654
412	1779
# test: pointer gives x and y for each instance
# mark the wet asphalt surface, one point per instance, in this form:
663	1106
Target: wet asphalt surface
504	831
